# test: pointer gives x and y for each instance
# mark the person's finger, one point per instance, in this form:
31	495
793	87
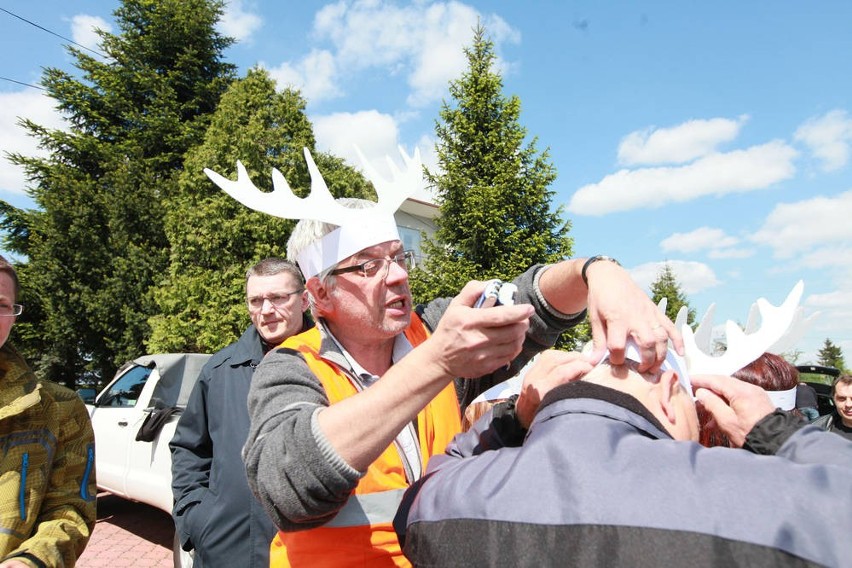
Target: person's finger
721	385
616	339
468	295
715	405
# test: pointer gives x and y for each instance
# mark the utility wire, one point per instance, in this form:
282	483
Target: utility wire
20	83
98	53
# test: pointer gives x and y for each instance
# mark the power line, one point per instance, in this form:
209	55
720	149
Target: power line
21	83
98	53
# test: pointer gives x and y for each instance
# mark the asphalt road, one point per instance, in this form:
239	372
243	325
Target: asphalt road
128	534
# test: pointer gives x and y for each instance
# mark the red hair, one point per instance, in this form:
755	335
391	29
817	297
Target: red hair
770	372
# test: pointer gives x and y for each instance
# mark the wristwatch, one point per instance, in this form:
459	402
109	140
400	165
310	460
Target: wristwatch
591	261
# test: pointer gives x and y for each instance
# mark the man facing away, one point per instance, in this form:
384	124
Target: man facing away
609	475
839	421
47	469
215	513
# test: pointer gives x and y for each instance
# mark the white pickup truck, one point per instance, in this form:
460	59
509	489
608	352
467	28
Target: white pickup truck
134	418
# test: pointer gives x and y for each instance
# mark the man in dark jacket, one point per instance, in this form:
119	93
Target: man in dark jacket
839	421
609	475
215	513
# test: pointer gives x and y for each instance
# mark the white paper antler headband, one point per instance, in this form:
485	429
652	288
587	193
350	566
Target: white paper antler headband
357	228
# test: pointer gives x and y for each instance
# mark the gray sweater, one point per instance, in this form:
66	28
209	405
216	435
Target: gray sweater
292	470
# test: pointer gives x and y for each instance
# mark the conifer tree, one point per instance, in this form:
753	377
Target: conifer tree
492	187
831	356
213	239
667	286
96	244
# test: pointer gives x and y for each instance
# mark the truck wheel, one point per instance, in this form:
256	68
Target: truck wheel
182	558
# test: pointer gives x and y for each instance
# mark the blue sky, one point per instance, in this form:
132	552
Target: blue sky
712	136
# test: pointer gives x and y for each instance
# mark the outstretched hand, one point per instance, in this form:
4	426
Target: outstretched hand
735	405
551	369
471	342
618	309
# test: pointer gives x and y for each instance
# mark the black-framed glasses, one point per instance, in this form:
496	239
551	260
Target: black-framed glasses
277	299
374	266
10	310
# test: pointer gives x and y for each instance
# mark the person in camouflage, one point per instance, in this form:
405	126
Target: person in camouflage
47	464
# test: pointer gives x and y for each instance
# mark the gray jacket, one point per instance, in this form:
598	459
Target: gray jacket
303	483
599	482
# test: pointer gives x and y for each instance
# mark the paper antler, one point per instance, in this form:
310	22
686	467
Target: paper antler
320	205
775	324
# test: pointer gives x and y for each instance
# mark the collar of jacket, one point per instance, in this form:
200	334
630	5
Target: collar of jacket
590	398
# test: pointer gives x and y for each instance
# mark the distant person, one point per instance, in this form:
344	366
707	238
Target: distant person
609	474
839	421
774	375
215	513
807	402
47	480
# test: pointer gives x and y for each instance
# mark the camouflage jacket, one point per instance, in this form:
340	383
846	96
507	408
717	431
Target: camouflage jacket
47	478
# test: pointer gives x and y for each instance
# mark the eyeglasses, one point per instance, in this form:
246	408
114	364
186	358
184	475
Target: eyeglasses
10	310
278	300
372	267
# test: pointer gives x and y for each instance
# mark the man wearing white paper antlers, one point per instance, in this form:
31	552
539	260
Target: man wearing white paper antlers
344	417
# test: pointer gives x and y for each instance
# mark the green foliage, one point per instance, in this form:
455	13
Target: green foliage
667	286
492	188
97	243
213	239
831	356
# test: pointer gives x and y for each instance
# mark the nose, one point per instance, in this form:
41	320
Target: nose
395	273
267	305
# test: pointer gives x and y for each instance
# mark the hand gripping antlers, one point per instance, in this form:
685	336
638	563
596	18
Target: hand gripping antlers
776	323
320	205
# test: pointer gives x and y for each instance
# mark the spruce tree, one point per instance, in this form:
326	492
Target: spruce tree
492	187
96	244
831	356
667	286
213	239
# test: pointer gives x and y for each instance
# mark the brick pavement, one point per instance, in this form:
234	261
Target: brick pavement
129	535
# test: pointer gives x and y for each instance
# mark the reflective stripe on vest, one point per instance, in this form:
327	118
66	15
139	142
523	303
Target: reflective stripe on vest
368	509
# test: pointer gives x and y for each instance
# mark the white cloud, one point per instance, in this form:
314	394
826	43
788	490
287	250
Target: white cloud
678	144
314	76
717	174
422	41
83	30
376	135
793	228
693	277
238	23
731	253
829	138
716	242
699	239
36	106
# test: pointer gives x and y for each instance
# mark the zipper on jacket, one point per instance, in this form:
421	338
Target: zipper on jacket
22	496
84	483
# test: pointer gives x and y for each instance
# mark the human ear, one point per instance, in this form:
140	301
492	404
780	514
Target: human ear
320	293
668	386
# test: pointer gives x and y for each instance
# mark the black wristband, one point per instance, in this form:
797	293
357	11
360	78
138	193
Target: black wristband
592	260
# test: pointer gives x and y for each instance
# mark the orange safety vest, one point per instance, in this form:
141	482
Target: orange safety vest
362	533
